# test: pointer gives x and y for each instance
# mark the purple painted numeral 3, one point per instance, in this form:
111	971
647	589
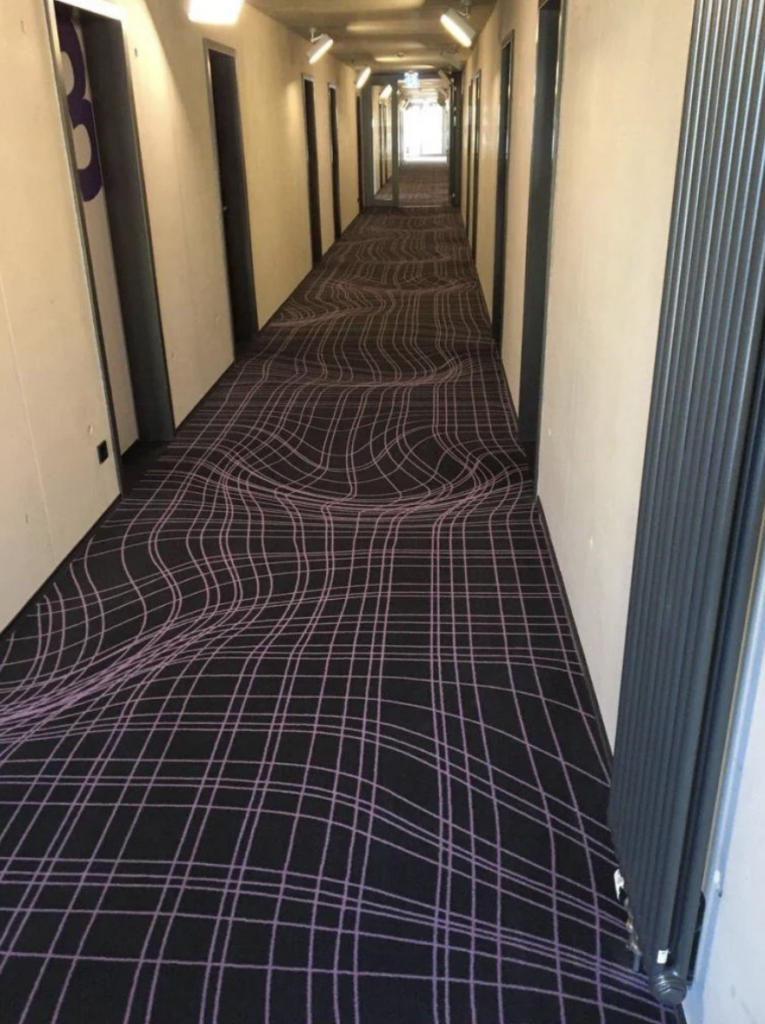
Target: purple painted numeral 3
80	108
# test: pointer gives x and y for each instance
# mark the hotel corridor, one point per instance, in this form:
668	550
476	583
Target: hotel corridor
300	733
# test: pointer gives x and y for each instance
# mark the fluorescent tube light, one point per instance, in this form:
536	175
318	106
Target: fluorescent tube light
386	92
363	78
320	45
456	24
214	12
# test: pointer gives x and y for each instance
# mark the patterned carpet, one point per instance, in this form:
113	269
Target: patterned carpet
420	183
300	735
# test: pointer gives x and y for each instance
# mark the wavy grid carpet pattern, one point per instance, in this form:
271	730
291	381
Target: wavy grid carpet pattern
420	183
300	735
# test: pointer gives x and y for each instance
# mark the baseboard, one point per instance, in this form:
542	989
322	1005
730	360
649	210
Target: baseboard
599	723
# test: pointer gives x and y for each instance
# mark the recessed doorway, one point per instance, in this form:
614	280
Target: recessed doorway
334	143
312	164
538	237
232	182
360	150
107	178
503	163
475	155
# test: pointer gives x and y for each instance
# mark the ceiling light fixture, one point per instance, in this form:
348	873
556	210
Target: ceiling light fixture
214	12
457	25
386	92
319	46
363	78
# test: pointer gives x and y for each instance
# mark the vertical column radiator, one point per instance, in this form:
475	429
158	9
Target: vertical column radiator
702	495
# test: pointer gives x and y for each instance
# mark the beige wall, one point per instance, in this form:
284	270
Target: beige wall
271	62
624	79
623	83
170	82
520	18
486	59
52	406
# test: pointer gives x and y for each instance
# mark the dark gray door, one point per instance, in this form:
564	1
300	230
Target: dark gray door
503	160
469	183
116	142
335	147
233	191
314	202
476	148
538	238
455	147
360	150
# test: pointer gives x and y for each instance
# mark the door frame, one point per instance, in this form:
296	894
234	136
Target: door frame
476	156
382	142
314	207
537	271
334	138
455	146
370	196
503	167
165	414
210	45
469	161
360	148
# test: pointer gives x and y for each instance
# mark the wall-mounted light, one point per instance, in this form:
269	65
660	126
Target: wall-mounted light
363	78
386	92
458	26
214	12
319	46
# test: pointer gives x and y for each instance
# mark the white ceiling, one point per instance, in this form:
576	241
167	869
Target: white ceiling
406	34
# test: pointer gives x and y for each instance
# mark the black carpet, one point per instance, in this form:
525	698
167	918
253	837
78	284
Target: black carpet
301	734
